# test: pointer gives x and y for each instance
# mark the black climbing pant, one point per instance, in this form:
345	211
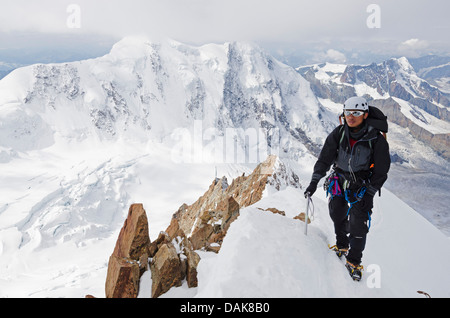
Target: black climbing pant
350	226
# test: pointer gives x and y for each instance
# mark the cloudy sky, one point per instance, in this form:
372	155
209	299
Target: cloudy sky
330	28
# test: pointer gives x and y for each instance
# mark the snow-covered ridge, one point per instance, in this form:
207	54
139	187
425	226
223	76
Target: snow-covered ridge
269	255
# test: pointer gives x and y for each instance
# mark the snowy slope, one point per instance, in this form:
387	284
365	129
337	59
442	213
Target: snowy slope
61	212
268	255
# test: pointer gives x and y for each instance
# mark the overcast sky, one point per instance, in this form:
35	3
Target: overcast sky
333	26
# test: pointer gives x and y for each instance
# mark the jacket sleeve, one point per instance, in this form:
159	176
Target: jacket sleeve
327	155
382	163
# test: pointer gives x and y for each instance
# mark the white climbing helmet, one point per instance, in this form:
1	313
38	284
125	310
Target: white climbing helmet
356	102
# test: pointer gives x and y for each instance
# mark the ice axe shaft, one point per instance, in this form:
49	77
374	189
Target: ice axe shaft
308	198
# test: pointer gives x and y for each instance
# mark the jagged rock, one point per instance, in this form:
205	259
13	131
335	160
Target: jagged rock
163	237
207	220
302	217
133	239
166	270
212	225
173	229
130	256
192	260
123	278
274	211
143	264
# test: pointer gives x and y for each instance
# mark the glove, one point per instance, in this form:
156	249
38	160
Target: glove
311	189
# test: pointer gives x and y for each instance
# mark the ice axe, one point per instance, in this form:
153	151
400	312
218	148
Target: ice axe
308	200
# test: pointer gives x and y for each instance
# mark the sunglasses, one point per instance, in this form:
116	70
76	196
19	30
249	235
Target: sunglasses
355	113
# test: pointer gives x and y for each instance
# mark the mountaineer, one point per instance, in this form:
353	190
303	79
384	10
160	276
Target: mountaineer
359	153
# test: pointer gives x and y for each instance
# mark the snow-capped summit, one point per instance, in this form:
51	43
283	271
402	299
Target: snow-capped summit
127	92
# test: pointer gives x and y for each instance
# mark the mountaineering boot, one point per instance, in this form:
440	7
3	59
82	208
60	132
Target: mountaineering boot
355	271
339	251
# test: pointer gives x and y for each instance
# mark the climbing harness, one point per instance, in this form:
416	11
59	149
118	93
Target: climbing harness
332	187
358	197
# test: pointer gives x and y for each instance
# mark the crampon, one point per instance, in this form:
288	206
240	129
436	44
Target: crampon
339	251
355	271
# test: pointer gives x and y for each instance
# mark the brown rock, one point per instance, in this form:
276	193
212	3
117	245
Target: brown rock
212	226
166	270
192	260
201	235
163	237
122	278
302	217
231	213
274	211
143	263
133	239
174	228
130	256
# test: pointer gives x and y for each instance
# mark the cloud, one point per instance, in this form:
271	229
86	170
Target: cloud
330	55
413	47
193	20
335	56
414	44
299	22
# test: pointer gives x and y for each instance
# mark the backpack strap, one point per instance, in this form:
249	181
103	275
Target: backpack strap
342	133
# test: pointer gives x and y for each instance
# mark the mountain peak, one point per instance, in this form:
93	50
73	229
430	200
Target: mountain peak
404	64
136	46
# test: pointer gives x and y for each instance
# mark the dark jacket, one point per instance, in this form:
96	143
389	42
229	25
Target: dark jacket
354	164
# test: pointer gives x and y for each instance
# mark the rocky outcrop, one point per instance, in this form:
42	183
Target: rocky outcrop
199	226
302	217
274	211
166	269
206	221
130	255
123	278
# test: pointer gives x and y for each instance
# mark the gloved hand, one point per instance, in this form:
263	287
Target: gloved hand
311	189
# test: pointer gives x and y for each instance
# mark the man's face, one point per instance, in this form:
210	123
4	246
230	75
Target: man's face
355	121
